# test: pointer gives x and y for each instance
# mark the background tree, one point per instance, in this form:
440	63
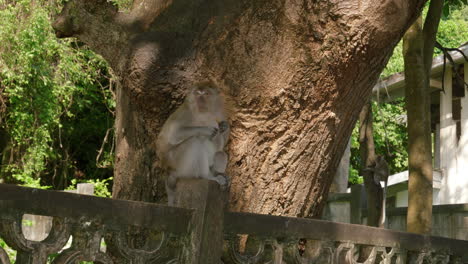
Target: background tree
418	47
298	74
389	114
56	106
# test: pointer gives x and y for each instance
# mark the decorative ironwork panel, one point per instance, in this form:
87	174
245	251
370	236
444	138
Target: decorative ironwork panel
243	249
88	221
302	251
171	235
34	252
160	247
86	244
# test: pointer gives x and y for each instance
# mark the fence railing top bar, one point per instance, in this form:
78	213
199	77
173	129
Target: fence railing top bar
112	213
339	197
450	208
436	209
288	227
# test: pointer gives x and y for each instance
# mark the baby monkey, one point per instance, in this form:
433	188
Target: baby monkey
192	140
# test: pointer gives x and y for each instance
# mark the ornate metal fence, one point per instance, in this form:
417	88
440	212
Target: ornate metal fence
200	232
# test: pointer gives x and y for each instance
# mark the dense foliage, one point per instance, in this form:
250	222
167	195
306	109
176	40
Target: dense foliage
453	32
390	134
390	138
56	103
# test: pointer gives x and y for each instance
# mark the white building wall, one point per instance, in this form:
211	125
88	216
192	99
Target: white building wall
448	142
437	147
453	152
401	198
460	188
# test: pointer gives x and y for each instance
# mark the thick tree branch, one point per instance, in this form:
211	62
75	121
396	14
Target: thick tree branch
97	24
144	12
419	131
431	25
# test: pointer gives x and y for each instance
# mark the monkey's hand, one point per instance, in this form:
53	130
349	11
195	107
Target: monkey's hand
214	132
188	132
223	181
210	132
223	126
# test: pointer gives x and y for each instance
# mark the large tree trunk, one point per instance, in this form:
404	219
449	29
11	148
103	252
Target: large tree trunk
297	73
418	48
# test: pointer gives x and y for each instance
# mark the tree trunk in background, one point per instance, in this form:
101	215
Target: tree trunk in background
297	73
367	152
418	49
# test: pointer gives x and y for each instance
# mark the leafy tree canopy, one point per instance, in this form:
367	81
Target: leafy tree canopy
389	118
57	105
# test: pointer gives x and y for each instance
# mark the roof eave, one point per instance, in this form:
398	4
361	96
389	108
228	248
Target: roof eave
394	84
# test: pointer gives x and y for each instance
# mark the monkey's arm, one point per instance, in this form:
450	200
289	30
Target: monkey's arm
224	130
186	132
220	140
172	136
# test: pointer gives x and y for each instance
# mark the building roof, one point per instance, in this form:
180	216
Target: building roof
394	85
399	182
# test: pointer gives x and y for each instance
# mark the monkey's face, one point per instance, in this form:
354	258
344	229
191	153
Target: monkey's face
205	98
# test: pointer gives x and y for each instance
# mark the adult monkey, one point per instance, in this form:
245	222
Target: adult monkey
192	140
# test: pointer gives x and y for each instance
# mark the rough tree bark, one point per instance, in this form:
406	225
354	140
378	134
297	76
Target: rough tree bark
418	49
367	152
297	72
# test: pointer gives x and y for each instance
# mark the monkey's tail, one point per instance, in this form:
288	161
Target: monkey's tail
384	204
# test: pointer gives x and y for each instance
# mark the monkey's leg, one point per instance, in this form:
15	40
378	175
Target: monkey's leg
209	164
220	162
170	188
222	137
218	168
223	126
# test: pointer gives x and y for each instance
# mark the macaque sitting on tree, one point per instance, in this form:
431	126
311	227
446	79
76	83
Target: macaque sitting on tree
192	140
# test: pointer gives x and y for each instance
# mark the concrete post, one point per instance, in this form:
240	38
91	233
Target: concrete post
358	203
85	188
206	238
